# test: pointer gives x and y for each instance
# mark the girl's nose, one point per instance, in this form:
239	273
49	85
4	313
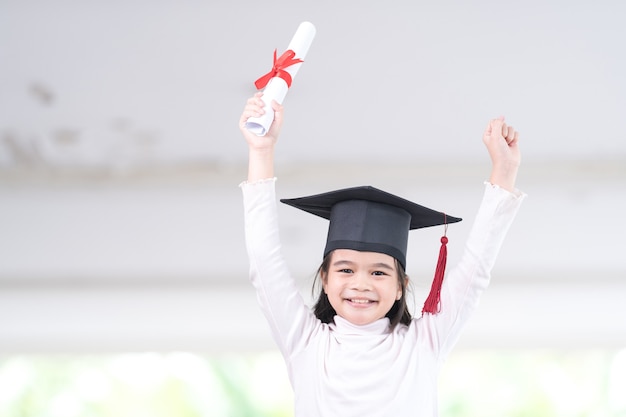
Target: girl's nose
361	282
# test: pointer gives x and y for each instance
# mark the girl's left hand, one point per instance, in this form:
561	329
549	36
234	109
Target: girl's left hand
502	143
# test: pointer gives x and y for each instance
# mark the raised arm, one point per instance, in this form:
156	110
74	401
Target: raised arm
465	282
286	312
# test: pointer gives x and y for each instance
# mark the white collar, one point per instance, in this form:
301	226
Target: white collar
346	328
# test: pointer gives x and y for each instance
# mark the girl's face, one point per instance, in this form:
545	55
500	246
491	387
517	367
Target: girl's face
361	286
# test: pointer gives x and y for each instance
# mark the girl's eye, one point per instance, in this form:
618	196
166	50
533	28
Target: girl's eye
346	271
378	273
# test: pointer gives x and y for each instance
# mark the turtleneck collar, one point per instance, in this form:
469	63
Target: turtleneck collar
344	327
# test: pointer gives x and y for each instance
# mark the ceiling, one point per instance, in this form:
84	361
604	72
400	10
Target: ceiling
120	154
118	83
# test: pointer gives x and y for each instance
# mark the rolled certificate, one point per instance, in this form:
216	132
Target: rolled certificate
279	79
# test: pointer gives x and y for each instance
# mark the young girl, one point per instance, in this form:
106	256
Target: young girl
360	353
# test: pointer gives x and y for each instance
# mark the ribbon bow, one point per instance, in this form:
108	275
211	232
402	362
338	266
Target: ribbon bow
287	59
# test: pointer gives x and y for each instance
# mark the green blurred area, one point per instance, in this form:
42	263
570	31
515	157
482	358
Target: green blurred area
182	384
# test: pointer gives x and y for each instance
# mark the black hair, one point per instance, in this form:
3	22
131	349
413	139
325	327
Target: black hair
323	310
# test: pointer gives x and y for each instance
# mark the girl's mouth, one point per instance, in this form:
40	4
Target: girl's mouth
360	301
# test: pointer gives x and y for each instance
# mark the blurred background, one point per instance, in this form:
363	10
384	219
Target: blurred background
123	271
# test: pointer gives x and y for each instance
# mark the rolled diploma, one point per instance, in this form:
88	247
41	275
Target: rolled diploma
276	88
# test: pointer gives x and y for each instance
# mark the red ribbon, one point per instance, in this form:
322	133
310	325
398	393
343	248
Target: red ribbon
287	59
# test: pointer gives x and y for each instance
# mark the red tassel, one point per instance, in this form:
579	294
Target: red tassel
431	305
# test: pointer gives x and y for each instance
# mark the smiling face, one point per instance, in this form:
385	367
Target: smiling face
361	286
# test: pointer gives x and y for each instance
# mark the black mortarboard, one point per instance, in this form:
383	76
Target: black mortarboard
368	219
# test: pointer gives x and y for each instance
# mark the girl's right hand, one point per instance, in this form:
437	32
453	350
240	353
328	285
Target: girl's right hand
254	108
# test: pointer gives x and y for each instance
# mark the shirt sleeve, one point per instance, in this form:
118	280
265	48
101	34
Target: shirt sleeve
290	320
465	283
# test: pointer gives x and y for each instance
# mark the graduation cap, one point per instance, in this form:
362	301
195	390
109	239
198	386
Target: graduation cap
368	219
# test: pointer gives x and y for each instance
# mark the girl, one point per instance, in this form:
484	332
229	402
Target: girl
360	353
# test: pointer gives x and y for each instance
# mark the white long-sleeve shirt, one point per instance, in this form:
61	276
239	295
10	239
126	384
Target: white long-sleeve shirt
341	369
